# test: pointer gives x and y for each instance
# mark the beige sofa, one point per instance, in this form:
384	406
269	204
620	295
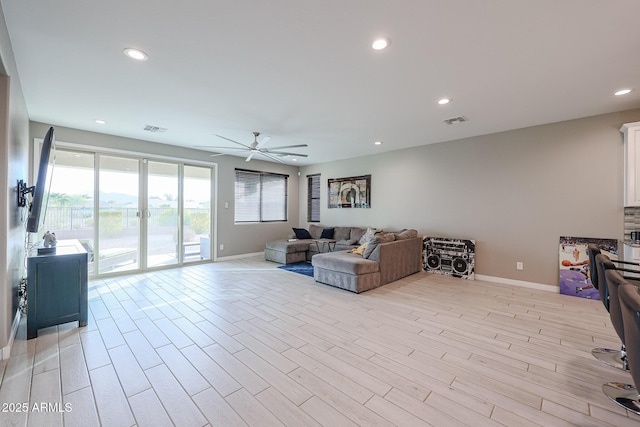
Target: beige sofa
388	258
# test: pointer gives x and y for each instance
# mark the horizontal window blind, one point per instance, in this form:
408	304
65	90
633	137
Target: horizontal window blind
260	196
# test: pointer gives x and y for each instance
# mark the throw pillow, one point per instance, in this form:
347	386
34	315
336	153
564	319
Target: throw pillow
368	235
327	233
360	249
301	233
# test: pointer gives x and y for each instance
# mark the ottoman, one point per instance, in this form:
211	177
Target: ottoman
285	252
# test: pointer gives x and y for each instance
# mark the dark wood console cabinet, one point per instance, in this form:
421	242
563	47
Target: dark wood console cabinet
57	287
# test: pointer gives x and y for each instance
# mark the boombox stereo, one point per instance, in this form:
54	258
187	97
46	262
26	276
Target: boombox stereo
453	257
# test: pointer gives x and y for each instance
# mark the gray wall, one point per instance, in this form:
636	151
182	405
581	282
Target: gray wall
514	192
237	238
14	125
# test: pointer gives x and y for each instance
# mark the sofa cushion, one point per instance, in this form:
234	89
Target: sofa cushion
343	247
375	241
357	232
347	242
315	230
342	233
302	233
345	262
406	234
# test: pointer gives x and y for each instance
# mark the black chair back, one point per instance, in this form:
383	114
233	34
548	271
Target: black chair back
603	263
614	280
629	296
593	250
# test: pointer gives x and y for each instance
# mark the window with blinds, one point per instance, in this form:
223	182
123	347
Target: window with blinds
260	196
313	198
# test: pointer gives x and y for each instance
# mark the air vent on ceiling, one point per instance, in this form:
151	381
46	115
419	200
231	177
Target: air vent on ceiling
453	120
150	128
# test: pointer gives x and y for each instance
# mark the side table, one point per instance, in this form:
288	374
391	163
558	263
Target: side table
329	243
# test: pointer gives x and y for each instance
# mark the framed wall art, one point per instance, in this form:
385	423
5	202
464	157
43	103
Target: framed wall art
352	192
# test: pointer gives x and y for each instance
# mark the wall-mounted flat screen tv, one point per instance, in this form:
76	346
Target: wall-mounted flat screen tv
38	208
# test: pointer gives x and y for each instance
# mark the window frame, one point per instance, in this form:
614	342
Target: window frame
262	196
313	188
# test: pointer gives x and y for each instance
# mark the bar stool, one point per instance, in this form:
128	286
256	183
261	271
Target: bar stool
625	306
599	263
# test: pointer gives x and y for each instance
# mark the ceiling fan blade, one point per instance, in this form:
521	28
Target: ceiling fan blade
289	146
250	156
218	147
216	155
263	141
283	153
271	157
231	140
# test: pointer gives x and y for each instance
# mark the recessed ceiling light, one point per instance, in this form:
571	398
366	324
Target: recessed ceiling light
378	143
444	101
136	54
101	122
380	43
623	92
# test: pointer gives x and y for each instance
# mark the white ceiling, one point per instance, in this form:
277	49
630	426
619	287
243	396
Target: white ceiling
303	71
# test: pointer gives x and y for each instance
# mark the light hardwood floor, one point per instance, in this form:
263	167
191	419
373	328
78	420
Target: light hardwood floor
244	343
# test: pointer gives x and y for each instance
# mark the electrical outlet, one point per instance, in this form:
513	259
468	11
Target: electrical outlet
519	265
221	246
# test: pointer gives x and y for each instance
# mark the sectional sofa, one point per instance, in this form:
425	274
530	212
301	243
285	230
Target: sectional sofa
288	251
387	257
379	257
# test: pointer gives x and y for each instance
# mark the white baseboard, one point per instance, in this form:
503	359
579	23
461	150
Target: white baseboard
6	351
241	256
521	283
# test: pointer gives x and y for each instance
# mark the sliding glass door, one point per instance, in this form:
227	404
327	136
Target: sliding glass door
70	211
118	214
161	214
196	240
130	213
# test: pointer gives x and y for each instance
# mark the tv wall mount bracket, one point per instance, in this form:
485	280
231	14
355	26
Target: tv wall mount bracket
23	190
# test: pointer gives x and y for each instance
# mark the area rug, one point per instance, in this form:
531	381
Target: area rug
299	267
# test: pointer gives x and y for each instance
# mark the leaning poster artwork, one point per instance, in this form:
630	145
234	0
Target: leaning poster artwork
575	271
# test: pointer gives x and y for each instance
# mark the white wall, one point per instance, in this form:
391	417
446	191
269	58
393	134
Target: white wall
14	126
237	238
514	192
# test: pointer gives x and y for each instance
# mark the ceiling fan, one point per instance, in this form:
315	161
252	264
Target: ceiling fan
258	148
